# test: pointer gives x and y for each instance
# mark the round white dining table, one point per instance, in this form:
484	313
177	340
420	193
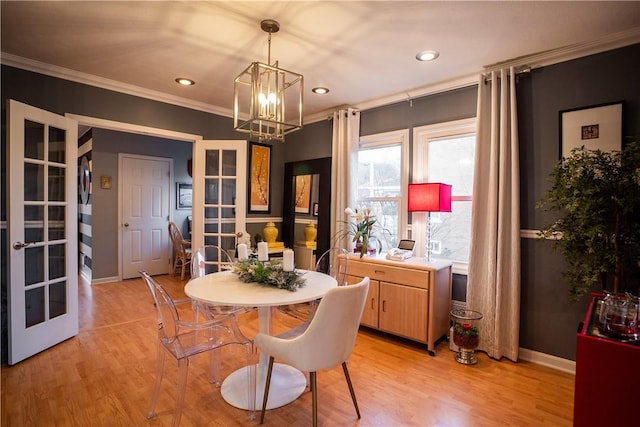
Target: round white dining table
225	288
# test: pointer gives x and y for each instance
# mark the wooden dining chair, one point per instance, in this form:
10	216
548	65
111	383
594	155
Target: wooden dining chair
328	341
181	250
184	339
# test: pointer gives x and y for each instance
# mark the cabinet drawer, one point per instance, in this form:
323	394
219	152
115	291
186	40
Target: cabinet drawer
387	273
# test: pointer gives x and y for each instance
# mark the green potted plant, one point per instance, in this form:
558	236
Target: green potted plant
597	194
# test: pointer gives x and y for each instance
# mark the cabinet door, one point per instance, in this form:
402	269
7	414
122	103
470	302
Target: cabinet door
370	313
404	311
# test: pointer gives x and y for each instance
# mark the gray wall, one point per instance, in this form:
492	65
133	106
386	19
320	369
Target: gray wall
548	320
107	144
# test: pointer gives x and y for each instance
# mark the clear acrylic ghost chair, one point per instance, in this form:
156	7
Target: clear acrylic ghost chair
183	339
327	342
212	259
329	263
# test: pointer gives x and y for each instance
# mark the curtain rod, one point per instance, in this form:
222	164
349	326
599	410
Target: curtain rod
521	69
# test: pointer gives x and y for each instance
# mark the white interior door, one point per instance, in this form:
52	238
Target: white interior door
145	203
43	237
219	193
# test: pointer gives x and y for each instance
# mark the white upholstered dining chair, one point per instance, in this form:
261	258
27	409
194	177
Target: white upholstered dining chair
327	341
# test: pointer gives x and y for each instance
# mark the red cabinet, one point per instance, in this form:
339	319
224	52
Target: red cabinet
607	384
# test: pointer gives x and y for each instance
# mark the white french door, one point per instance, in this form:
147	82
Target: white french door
219	193
42	233
145	204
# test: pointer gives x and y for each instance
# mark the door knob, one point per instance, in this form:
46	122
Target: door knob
126	224
19	245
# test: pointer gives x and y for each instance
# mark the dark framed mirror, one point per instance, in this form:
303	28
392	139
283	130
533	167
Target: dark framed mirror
317	202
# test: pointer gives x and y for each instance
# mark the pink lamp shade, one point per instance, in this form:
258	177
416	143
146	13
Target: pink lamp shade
430	197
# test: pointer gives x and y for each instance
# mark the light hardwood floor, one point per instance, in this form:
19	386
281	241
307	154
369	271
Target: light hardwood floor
104	375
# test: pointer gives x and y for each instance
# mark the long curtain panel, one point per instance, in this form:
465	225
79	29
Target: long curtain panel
494	262
344	165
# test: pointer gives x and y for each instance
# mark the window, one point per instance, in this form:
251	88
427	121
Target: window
445	153
382	180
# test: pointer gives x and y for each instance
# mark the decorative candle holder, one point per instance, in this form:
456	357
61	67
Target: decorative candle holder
465	335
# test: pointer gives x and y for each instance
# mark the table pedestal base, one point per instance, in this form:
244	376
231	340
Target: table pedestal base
287	384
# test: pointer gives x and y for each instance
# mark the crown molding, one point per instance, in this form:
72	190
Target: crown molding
541	59
568	53
103	83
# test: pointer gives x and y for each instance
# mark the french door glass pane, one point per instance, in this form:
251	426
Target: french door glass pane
56	184
33	182
211	191
33	140
34	306
56	222
57	138
228	163
33	265
210	213
57	299
228	192
212	163
57	261
33	223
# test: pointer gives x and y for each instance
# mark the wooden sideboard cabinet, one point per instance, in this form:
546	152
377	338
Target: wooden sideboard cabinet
409	298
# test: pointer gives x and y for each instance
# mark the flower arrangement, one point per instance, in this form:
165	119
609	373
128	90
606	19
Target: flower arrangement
270	274
465	336
361	228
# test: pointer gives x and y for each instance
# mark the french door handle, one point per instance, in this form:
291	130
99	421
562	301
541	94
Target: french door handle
19	245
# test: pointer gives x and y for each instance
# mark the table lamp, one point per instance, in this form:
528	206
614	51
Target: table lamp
429	197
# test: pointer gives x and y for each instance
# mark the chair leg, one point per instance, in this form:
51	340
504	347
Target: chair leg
182	268
183	368
353	393
266	389
314	398
158	382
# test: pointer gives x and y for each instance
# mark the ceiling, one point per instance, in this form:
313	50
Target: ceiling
363	51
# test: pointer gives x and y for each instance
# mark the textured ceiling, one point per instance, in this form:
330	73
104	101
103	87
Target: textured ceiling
363	51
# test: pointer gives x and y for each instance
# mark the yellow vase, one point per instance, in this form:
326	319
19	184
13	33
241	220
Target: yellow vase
310	232
270	232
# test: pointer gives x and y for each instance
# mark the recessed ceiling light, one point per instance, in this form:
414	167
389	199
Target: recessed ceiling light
320	90
184	81
427	55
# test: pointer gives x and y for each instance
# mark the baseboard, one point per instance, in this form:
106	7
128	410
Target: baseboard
103	280
564	365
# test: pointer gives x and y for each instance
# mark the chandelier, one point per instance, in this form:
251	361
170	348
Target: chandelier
267	100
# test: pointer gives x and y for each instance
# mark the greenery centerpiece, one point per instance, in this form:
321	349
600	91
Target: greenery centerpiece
270	274
598	196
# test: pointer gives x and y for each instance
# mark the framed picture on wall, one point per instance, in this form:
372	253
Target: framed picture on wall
303	194
183	196
597	127
259	178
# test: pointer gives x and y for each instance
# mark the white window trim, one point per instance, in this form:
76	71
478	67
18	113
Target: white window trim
397	137
421	137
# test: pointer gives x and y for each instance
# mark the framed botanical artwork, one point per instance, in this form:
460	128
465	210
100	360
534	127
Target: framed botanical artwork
183	196
303	194
259	178
597	127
